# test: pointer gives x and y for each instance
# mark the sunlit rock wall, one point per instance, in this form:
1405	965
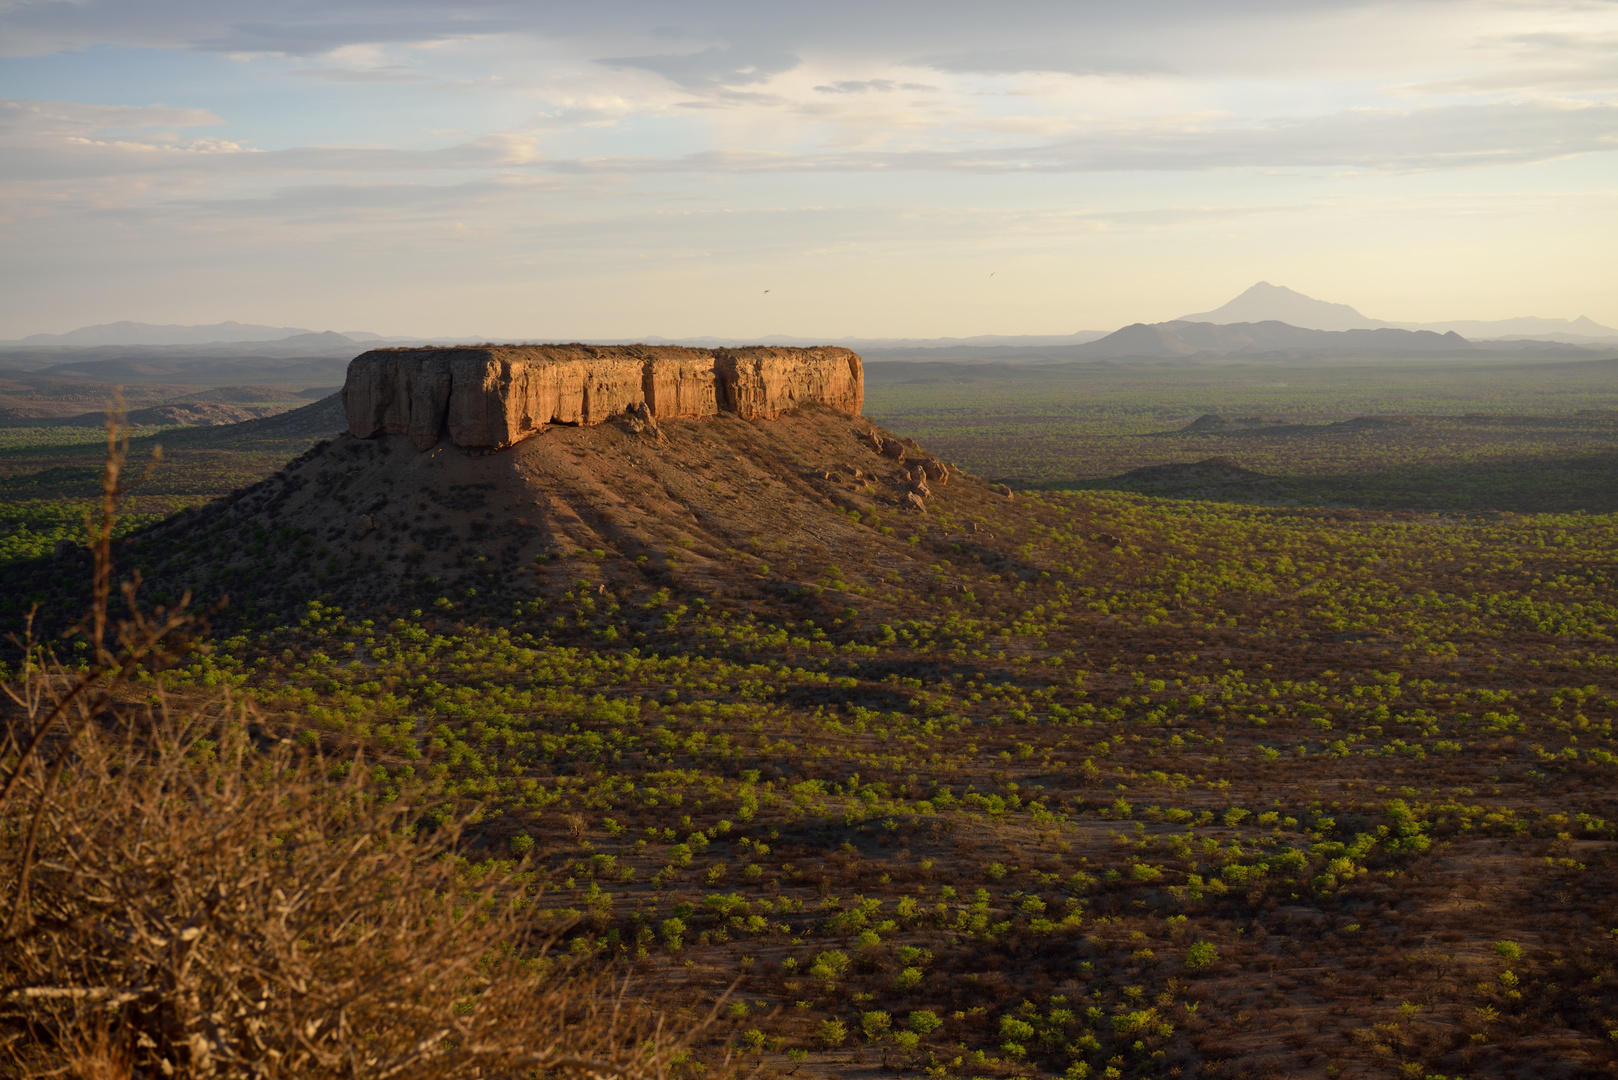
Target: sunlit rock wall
764	382
488	397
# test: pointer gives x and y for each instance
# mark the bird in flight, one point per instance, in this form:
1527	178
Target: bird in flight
766	291
993	272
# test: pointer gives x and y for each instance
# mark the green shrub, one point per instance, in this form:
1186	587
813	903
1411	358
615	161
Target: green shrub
829	966
925	1022
875	1025
1016	1030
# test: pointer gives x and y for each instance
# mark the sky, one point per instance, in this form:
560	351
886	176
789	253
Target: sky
618	168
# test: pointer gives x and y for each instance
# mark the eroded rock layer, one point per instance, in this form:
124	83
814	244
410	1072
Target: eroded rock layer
490	397
764	382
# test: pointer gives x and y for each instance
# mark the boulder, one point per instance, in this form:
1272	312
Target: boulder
641	422
912	501
935	471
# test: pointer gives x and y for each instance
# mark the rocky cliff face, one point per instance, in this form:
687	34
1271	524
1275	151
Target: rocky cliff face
762	383
491	397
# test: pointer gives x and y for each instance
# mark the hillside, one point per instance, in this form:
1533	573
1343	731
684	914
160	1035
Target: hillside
716	502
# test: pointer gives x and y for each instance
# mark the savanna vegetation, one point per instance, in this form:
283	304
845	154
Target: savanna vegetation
1067	784
189	893
50	473
1434	435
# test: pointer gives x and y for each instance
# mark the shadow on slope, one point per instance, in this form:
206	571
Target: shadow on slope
720	507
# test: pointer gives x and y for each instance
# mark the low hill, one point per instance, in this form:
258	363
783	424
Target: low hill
44	401
322	419
1212	478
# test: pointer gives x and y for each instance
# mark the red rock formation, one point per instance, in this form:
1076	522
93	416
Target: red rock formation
490	397
764	382
680	385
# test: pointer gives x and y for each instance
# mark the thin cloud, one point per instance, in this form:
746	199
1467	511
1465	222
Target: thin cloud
1039	61
54	152
711	69
1542	62
21	118
320	38
61	143
1450	137
494	114
867	86
359	75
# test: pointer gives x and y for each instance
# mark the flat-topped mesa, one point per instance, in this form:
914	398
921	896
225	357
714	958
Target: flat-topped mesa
492	396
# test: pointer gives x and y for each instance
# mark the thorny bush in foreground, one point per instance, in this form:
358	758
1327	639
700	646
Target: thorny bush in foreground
183	896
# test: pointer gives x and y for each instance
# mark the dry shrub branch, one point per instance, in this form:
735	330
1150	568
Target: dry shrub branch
185	896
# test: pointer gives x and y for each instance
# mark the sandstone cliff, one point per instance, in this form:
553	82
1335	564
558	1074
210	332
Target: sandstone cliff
761	383
490	397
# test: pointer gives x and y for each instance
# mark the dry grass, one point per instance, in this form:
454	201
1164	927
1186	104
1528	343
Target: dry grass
185	894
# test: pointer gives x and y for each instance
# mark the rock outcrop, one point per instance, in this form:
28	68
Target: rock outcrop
490	397
680	386
762	383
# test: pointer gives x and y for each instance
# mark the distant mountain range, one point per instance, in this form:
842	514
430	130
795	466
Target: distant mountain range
1277	303
1278	340
99	361
136	333
1264	319
858	344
